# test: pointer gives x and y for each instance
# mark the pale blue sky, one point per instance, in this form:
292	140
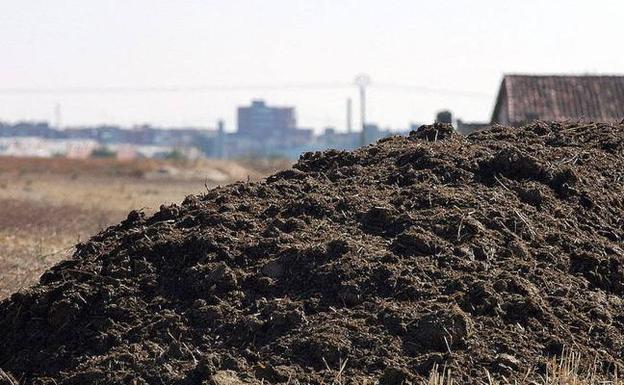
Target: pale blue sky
462	46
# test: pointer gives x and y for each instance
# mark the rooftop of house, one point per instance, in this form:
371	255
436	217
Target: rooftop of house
561	97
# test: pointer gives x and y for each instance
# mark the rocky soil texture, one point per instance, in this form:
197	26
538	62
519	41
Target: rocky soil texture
488	252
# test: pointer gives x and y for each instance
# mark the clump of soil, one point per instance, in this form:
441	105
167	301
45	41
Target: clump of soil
488	252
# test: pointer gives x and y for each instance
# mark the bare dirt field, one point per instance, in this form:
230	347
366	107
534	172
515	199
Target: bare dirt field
48	205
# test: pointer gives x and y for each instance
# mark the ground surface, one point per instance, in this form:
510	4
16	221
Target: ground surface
486	255
48	205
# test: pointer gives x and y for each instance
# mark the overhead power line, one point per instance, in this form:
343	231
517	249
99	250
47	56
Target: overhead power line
171	89
430	90
235	88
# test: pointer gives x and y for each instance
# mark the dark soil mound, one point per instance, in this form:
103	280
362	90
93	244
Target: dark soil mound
490	252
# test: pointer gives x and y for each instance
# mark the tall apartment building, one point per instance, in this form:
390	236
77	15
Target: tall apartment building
262	122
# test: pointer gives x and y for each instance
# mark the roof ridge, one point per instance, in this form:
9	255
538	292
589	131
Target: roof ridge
562	97
580	75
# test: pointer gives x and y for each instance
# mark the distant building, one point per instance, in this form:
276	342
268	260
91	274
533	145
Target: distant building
40	147
263	132
262	121
372	133
28	129
330	138
524	98
467	128
444	117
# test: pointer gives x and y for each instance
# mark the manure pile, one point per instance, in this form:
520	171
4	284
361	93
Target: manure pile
491	252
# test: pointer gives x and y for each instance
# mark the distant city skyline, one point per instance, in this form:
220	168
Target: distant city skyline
438	55
317	123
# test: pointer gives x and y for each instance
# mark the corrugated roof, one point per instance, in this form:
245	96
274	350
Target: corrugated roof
562	97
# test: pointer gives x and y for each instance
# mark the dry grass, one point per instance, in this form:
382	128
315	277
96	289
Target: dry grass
568	369
34	235
138	168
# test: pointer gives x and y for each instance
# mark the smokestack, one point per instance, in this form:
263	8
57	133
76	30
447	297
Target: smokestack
362	81
349	116
58	116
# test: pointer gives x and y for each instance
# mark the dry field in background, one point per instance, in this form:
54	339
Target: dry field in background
47	205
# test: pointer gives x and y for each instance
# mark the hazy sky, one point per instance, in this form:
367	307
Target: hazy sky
453	52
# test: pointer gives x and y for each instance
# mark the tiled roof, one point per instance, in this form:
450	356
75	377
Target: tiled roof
587	98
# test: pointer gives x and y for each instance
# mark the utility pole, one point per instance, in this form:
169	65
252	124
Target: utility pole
221	139
349	116
362	81
58	116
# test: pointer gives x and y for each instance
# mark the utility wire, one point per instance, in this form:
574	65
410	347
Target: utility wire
172	89
236	88
429	90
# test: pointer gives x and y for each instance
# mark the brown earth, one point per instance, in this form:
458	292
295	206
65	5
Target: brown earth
489	252
142	168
